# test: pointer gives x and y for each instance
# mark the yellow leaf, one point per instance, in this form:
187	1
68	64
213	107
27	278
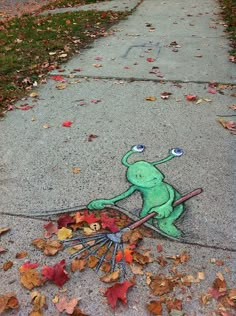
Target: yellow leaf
31	278
64	233
61	86
151	98
34	94
38	300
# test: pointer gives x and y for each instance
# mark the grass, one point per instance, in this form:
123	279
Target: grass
229	14
69	3
30	46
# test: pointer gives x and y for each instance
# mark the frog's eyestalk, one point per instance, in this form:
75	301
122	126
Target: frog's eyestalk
175	152
134	149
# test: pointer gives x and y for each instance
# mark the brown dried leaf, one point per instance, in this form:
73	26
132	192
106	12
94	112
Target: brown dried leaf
136	268
78	264
155	307
49	247
92	262
111	277
7	265
8	301
21	255
174	304
161	285
141	259
205	299
161	260
232	107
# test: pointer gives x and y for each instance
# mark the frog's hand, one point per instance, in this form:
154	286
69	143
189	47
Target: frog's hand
100	204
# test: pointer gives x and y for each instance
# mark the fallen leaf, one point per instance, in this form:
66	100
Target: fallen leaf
174	304
64	220
118	291
155	307
64	233
161	285
205	298
76	170
199	101
8	301
7	265
126	67
67	123
213	91
191	97
90	218
49	247
151	98
57	78
30	279
34	94
92	262
97	65
137	268
109	222
51	229
148	278
24	107
21	255
230	125
46	126
67	306
233	107
140	258
4	230
27	265
111	277
2	250
57	274
161	260
38	301
95	101
165	95
62	55
98	58
159	248
78	264
61	86
91	137
127	255
150	60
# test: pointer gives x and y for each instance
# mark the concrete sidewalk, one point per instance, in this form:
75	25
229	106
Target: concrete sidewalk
164	46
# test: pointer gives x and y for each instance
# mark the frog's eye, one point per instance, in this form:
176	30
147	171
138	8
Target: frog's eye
177	152
138	148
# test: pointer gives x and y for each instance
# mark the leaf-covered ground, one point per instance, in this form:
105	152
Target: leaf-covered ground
171	288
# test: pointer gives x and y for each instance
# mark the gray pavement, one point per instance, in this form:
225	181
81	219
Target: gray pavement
36	162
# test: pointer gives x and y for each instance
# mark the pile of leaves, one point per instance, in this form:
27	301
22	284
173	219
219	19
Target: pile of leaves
33	45
168	285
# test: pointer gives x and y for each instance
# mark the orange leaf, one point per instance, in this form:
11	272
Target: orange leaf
49	247
78	264
230	125
127	255
8	301
175	304
31	278
161	285
118	291
50	228
155	307
111	277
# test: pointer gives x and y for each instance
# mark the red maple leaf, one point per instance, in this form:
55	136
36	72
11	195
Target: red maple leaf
117	291
191	97
64	220
109	222
67	123
90	218
56	273
27	265
57	78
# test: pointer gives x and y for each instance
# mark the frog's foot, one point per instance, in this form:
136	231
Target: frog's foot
168	228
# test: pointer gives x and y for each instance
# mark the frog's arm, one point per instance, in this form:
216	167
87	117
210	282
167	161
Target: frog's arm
166	209
100	204
176	152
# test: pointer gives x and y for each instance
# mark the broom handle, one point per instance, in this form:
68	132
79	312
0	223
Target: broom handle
177	202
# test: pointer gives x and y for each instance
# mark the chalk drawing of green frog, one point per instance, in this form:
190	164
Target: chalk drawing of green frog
158	196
